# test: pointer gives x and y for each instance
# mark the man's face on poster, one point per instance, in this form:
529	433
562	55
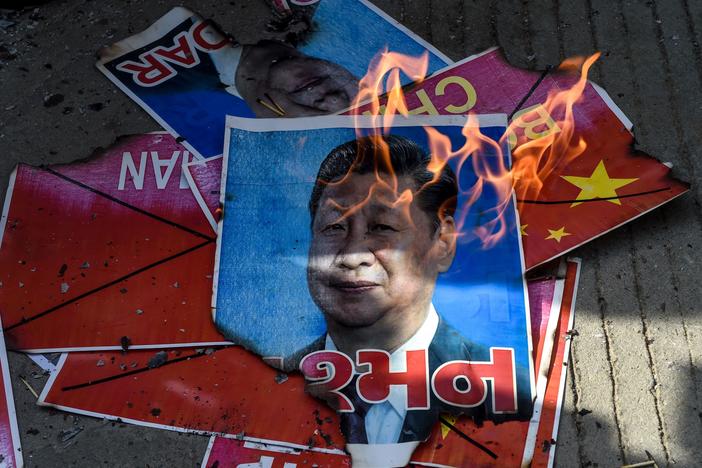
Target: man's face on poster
373	251
300	85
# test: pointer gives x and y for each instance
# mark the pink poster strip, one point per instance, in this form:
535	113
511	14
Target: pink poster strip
10	448
226	452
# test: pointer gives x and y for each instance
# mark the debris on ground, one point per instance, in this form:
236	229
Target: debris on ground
65	436
29	387
125	342
158	360
51	100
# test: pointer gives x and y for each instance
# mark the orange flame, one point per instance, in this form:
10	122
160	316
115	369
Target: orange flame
535	155
370	88
534	160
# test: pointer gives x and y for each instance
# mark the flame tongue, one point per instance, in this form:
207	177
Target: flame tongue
540	144
372	87
535	159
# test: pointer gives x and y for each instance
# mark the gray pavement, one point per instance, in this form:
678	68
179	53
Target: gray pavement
634	383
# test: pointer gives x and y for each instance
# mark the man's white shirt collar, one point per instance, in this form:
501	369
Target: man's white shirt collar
420	340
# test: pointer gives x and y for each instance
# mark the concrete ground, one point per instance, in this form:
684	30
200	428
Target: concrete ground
634	383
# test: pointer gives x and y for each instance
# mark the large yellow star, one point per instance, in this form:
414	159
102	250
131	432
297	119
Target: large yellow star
444	428
598	185
558	234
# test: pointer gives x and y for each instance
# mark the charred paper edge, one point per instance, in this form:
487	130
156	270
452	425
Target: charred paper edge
449	67
453	65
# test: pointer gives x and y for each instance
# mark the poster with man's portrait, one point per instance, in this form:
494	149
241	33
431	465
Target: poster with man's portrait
189	74
385	264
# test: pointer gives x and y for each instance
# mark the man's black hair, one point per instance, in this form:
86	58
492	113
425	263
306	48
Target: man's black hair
363	155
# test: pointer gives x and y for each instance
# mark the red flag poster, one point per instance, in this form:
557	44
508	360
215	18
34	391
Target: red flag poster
598	181
110	252
190	390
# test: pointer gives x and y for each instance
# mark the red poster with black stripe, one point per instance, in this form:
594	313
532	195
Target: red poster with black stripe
110	252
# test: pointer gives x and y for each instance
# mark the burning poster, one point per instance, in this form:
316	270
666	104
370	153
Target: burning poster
576	173
340	237
137	387
64	256
187	75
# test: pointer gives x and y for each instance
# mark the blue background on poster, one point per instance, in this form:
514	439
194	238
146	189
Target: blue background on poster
194	103
262	296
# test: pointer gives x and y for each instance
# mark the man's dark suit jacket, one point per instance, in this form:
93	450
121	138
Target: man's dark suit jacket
447	345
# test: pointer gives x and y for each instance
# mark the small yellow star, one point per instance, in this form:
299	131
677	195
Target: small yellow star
598	185
558	234
444	428
522	229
